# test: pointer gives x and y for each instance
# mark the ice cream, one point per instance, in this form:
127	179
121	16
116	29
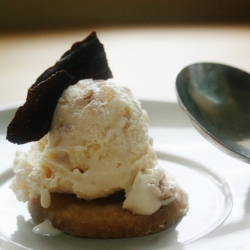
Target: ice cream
98	144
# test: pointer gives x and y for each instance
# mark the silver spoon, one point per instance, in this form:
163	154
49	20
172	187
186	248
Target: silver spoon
217	99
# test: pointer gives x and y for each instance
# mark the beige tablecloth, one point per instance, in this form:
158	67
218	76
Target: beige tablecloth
146	59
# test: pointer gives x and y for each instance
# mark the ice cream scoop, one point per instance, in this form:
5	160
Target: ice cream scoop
98	144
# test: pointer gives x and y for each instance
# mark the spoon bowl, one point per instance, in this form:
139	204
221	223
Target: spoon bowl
217	99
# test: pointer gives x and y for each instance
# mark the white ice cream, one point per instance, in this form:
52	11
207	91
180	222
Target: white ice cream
98	144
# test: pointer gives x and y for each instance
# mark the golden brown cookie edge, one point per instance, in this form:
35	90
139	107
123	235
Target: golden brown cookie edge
105	217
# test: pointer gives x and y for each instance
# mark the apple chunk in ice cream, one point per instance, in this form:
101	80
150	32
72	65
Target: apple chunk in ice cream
97	150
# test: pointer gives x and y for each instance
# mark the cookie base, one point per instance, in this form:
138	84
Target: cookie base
104	217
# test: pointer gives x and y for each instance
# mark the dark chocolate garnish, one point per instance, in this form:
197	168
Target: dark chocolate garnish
85	59
32	120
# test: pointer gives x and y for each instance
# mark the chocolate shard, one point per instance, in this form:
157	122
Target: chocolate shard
33	120
85	59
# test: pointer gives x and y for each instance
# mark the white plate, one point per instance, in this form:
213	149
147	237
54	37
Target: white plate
217	185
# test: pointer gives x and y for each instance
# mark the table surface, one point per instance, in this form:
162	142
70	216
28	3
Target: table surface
145	59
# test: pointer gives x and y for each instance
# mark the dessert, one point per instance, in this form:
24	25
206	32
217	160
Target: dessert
92	171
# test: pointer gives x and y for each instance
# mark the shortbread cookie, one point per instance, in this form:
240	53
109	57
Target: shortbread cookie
104	217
